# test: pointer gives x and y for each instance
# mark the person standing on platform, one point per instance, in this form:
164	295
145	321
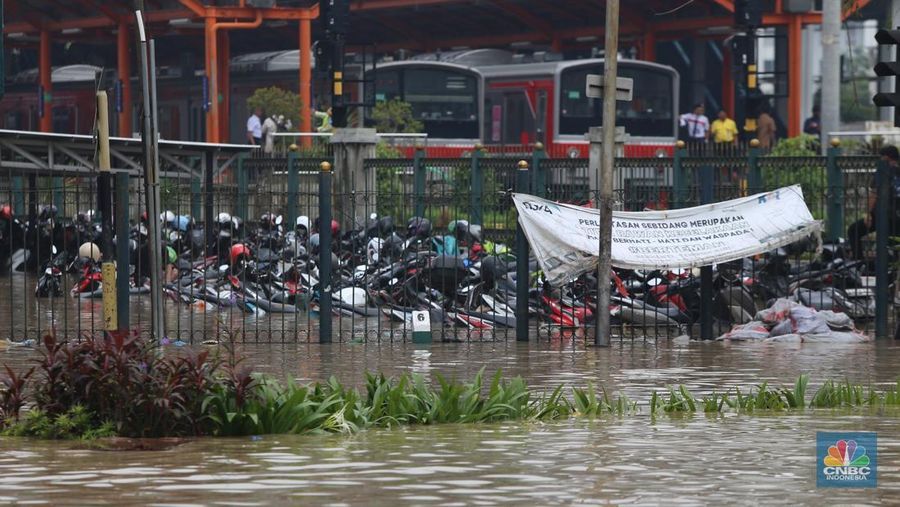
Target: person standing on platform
254	127
724	132
696	126
765	129
269	128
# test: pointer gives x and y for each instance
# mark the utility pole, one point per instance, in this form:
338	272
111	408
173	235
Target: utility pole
608	157
831	72
104	195
151	175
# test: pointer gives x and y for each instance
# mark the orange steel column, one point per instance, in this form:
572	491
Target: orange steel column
224	44
212	125
649	45
45	71
305	78
795	88
124	69
727	84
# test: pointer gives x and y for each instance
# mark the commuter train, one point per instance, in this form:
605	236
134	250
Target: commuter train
462	98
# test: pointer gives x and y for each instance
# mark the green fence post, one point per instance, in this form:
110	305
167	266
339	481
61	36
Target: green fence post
476	188
538	176
884	187
18	196
196	197
123	252
522	274
419	181
754	177
59	196
293	183
678	175
835	215
243	184
325	282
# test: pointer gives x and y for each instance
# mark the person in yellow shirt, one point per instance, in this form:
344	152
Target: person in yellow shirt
724	130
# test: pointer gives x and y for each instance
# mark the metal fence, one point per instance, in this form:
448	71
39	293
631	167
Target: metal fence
238	268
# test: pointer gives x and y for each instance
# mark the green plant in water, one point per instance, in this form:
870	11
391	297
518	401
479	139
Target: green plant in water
77	423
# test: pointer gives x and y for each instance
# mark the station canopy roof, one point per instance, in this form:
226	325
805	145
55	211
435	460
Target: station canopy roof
416	25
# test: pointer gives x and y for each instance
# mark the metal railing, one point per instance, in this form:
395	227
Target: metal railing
276	293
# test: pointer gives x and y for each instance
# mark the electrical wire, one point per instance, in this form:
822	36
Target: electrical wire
676	9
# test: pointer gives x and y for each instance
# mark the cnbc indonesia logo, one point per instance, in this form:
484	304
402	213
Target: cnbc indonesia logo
846	461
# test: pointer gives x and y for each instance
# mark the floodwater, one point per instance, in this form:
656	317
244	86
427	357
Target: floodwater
766	459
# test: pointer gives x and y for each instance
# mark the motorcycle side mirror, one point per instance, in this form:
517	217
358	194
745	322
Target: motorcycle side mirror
53	249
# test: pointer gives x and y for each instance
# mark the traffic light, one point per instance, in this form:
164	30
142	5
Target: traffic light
748	13
335	16
889	69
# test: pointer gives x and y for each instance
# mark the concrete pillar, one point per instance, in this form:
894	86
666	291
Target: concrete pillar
595	154
354	187
831	71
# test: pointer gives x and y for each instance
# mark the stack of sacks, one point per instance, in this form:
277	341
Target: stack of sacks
790	322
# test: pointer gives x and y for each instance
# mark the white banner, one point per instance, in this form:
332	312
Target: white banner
564	237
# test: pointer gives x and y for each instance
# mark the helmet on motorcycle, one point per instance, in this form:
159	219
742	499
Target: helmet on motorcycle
167	217
143	217
174	236
392	246
314	243
223	219
182	222
335	228
418	227
458	228
239	251
386	225
475	233
267	220
373	250
302	222
47	212
90	251
5	212
171	256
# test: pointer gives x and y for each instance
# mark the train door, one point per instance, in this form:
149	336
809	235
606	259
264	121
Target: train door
511	118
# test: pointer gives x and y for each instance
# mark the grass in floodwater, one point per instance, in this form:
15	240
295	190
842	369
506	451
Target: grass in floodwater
762	397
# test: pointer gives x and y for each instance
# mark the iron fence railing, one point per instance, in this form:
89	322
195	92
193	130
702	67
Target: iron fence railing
272	291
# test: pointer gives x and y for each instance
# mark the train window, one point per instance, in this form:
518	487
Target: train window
650	114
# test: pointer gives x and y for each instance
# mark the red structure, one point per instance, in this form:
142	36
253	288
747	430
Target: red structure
411	25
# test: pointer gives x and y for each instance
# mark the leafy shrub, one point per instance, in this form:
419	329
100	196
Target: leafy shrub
127	381
12	395
395	116
75	423
276	101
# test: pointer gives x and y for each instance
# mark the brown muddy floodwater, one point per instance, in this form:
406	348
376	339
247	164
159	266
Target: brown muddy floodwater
760	459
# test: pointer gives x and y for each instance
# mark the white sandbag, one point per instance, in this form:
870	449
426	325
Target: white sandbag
779	311
837	321
782	328
808	321
750	331
784	338
836	337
